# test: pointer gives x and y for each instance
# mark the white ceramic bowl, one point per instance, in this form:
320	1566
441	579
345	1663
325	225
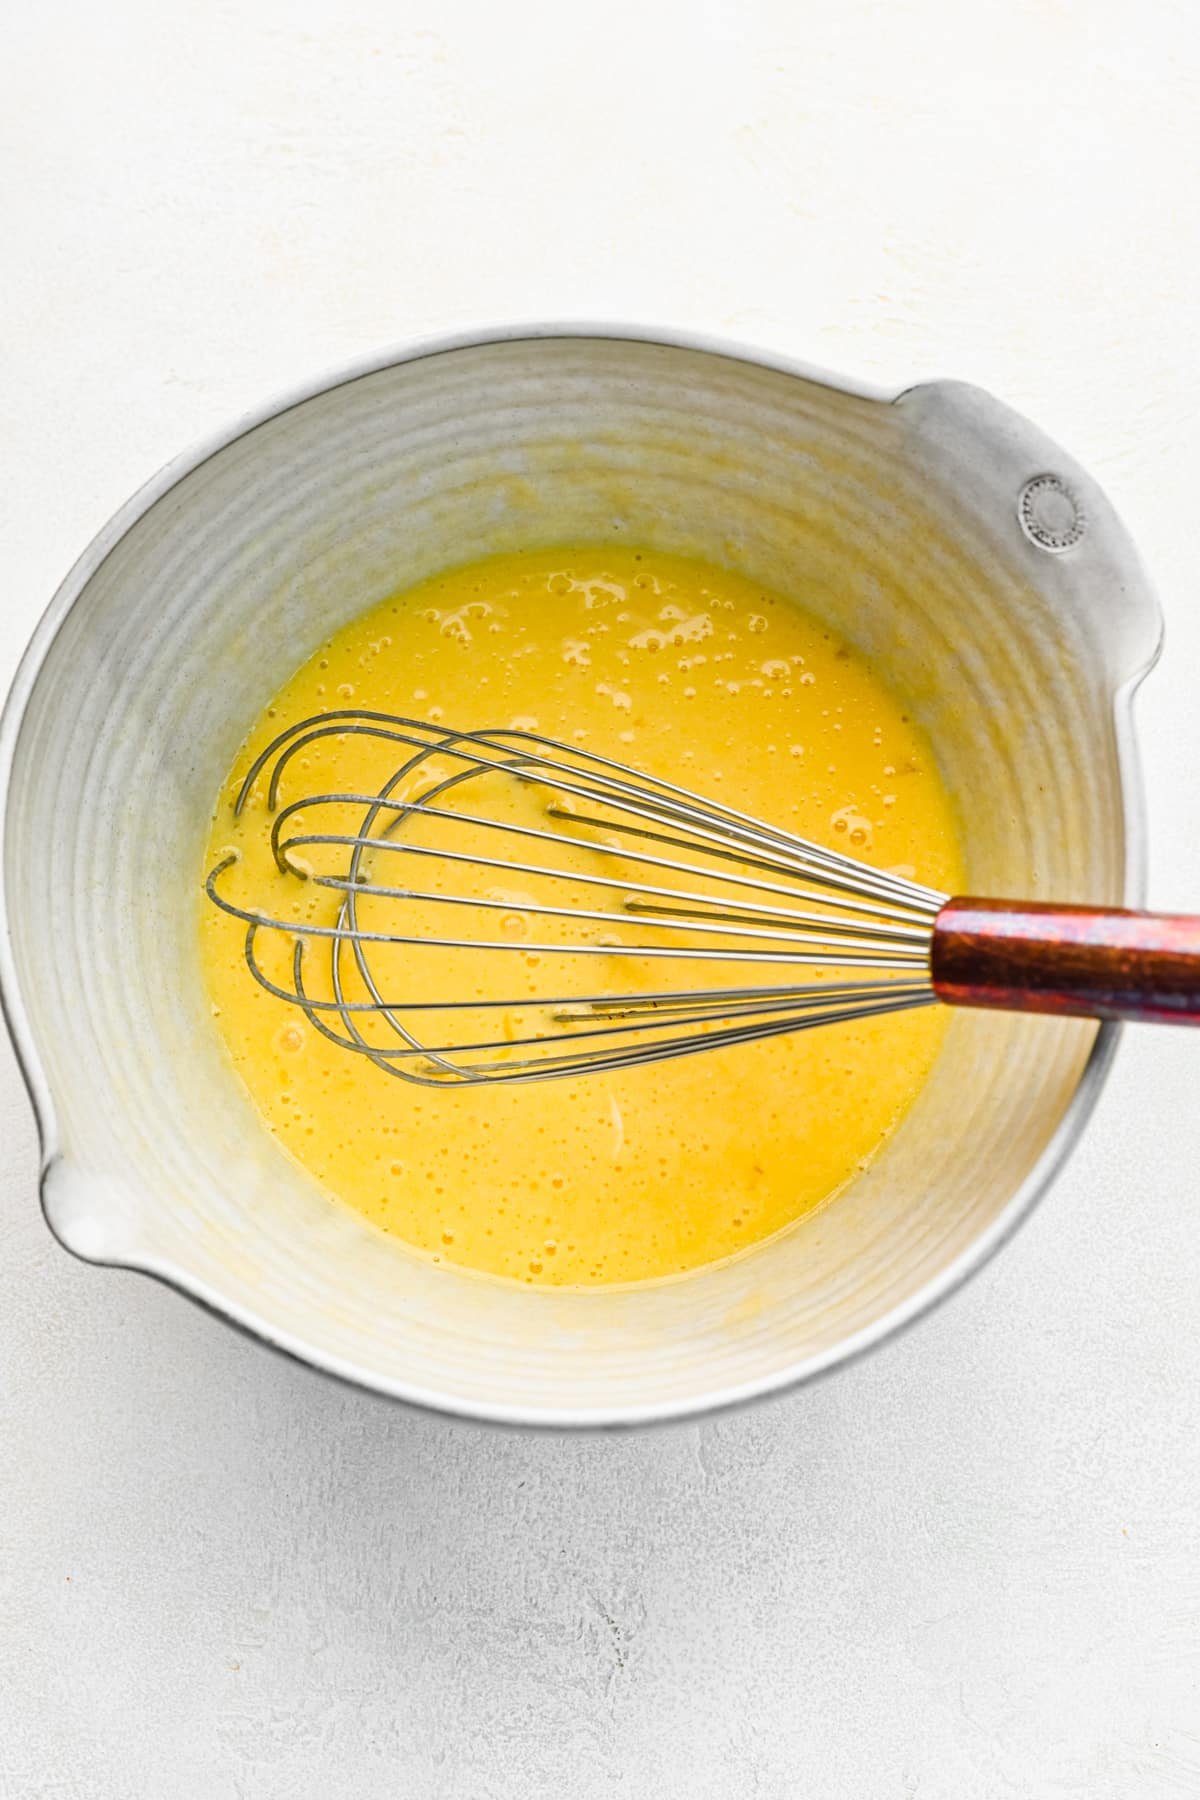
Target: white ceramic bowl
1015	617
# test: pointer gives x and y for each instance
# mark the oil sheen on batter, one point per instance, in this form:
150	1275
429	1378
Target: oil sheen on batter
688	672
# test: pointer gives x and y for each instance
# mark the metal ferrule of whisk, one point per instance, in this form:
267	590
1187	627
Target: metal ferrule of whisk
661	923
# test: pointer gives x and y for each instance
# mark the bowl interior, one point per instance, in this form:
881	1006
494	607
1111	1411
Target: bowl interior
897	522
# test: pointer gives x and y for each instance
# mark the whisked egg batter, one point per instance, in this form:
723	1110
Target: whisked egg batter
685	671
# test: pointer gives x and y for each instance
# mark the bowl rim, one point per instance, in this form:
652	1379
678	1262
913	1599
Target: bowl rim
12	1008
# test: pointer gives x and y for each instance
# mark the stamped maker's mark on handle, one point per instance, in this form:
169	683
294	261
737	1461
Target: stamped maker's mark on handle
1050	514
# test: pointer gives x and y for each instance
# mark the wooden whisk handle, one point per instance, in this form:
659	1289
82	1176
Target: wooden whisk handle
1088	961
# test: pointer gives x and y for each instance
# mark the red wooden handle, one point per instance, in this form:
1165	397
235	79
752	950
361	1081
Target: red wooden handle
1088	961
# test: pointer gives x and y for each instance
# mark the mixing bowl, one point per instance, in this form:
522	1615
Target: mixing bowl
981	571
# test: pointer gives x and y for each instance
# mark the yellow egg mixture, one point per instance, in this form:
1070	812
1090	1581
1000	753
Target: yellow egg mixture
685	671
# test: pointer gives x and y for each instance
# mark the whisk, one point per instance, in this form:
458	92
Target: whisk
634	921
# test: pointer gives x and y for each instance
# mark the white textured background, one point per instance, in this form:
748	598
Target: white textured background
966	1569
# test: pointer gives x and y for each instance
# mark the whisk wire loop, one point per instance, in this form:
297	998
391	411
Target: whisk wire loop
621	870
